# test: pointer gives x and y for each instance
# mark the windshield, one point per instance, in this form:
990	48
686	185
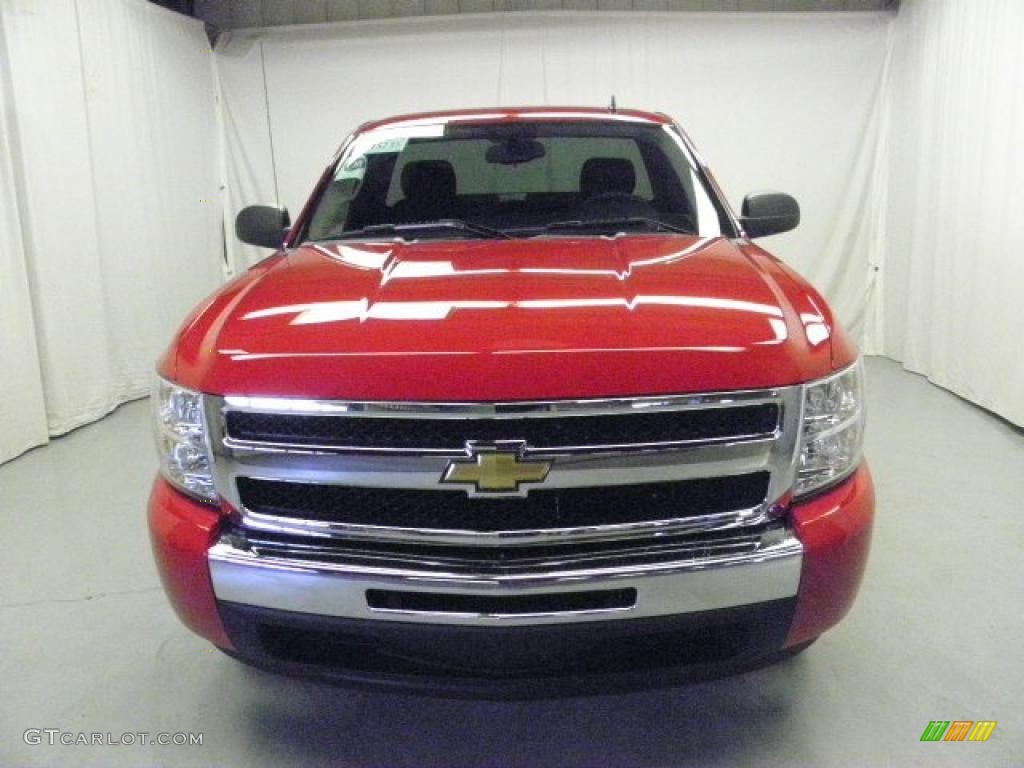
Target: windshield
514	179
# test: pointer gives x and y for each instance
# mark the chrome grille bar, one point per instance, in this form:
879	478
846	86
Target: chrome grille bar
500	410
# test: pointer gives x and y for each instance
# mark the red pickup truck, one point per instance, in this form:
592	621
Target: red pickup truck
516	405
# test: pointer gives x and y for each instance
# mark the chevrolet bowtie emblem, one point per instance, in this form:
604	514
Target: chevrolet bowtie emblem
495	470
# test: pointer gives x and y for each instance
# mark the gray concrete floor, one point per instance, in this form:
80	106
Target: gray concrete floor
88	643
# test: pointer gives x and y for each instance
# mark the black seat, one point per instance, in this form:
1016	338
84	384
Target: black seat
428	187
607	187
607	175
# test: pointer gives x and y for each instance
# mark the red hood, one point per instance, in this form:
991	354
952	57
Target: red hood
507	320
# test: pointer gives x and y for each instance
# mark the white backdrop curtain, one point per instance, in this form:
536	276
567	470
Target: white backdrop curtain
787	101
954	256
22	410
113	150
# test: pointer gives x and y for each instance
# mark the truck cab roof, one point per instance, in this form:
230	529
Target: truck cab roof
513	114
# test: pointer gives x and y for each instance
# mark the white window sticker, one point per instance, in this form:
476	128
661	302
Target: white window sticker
386	146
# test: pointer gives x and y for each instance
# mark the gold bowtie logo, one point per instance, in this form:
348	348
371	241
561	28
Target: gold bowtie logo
495	471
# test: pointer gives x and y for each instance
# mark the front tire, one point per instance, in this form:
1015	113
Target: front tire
794	650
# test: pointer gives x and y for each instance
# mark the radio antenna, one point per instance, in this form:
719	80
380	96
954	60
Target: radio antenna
611	107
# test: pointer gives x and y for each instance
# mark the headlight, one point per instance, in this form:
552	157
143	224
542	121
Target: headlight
833	429
181	440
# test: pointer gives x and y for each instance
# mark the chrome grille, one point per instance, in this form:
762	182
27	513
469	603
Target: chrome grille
636	467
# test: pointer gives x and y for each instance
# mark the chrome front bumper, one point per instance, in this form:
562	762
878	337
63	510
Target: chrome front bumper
694	578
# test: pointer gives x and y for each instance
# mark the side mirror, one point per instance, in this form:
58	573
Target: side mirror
262	225
769	213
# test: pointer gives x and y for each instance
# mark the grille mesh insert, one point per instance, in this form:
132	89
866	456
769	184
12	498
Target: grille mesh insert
541	509
547	432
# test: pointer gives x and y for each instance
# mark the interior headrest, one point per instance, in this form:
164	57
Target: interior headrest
428	178
601	175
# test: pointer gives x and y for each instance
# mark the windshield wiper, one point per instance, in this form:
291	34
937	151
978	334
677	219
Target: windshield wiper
399	230
629	221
